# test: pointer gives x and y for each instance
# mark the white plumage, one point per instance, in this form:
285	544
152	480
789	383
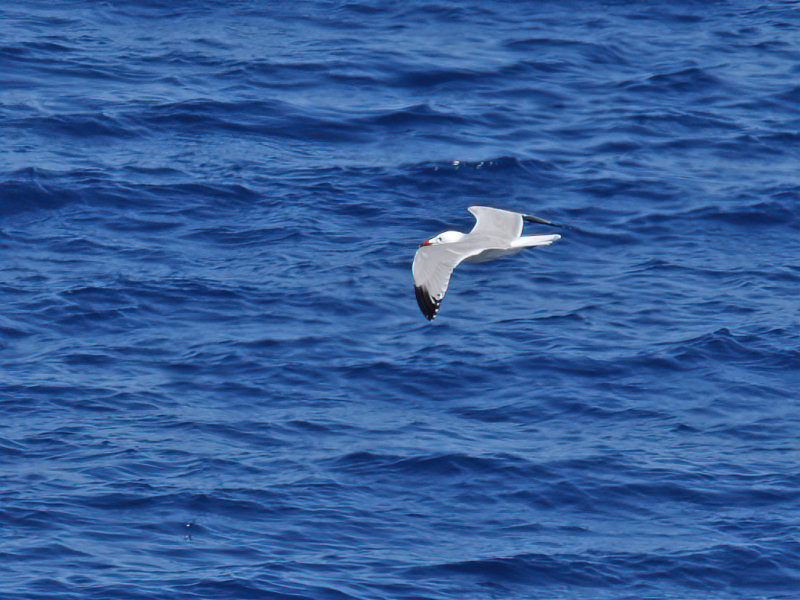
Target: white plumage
496	233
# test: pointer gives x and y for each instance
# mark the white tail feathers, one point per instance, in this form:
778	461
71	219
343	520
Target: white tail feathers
529	241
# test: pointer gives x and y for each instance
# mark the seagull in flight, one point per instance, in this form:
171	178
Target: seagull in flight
496	233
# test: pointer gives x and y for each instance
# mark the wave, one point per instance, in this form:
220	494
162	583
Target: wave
753	570
31	190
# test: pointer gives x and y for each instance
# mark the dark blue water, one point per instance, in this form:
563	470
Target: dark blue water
216	382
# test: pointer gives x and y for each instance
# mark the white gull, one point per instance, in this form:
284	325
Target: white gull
496	233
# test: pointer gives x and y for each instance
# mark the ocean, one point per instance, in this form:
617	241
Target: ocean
215	381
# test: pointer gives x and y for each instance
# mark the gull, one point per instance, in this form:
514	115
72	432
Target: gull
496	233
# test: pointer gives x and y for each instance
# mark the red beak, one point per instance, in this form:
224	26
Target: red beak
425	243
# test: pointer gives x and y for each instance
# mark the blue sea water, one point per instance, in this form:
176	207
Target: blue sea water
216	382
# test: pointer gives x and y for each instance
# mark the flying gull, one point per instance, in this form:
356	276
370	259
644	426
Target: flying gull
496	233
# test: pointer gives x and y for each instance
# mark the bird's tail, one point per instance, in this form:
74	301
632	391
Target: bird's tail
529	241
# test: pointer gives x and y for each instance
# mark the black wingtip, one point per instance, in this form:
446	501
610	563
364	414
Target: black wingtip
428	305
535	219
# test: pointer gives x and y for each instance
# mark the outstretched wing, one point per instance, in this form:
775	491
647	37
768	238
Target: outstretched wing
432	268
494	223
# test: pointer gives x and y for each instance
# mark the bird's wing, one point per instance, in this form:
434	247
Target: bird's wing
495	223
432	268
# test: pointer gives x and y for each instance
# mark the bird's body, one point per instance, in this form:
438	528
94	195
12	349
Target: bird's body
496	233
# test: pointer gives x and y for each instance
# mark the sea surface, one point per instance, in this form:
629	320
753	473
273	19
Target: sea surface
215	381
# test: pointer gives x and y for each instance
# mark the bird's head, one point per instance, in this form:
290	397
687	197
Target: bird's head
447	237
